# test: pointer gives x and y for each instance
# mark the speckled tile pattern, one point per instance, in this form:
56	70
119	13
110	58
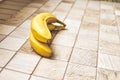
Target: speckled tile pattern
88	49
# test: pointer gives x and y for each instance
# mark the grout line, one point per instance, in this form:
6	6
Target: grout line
98	41
74	41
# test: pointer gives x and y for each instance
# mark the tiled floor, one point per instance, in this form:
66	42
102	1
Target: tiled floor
89	48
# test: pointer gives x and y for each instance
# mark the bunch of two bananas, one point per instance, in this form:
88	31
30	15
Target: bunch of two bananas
41	27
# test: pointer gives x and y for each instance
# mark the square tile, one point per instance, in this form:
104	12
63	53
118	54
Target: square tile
70	27
65	39
107	11
117	12
61	52
109	62
80	72
86	44
12	43
95	5
23	31
109	48
6	29
108	22
12	75
23	62
91	19
108	75
5	56
27	49
52	69
38	78
2	37
107	16
22	15
84	57
106	6
113	38
88	34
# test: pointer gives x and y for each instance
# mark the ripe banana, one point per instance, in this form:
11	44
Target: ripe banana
39	26
41	48
42	26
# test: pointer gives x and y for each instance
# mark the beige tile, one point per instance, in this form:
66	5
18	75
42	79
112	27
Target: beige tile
72	26
117	12
107	7
93	5
26	48
4	16
107	16
80	72
108	29
5	56
80	4
52	69
88	34
108	22
20	16
6	29
108	75
65	39
61	52
2	37
23	62
7	11
109	62
12	43
92	12
109	37
109	48
12	75
86	44
83	56
38	78
91	19
23	31
13	7
107	11
68	1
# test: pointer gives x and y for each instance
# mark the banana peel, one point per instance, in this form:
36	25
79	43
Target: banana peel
41	27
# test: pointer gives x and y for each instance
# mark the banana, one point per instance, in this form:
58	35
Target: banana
39	26
42	26
41	48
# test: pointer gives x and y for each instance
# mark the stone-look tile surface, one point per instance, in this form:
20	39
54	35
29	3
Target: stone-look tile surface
21	16
26	48
23	62
80	72
109	62
61	52
65	39
6	29
109	48
12	75
12	43
52	69
103	74
23	31
7	11
70	27
84	57
5	56
2	37
38	78
86	44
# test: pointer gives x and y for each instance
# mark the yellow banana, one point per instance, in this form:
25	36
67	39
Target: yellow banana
41	48
39	26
